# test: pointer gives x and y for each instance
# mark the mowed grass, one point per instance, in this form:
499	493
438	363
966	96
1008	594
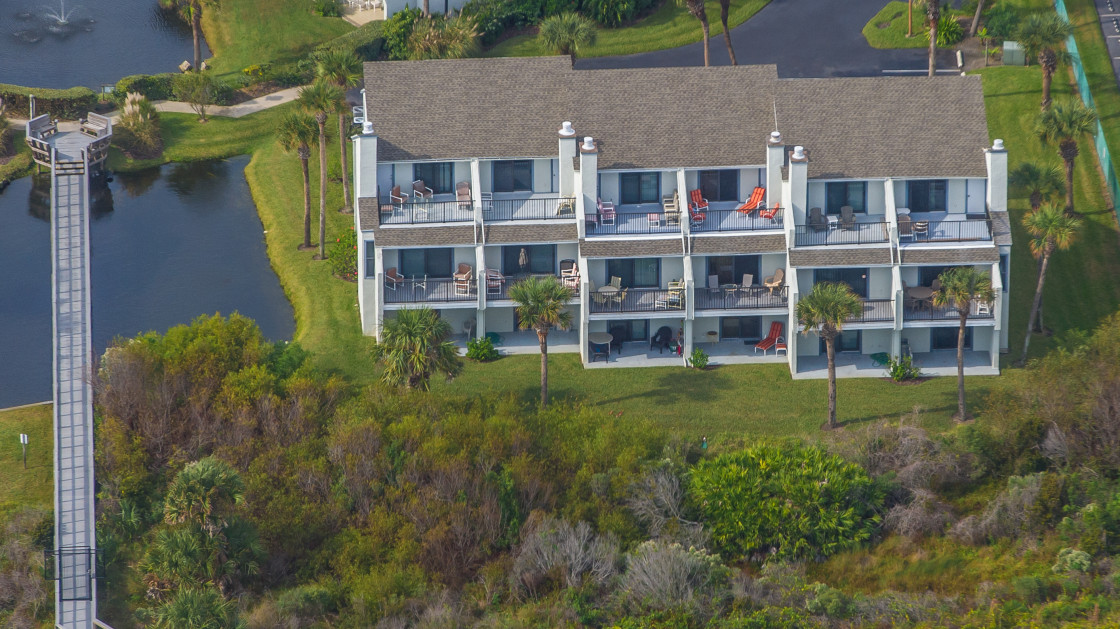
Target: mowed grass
888	28
668	26
241	33
20	488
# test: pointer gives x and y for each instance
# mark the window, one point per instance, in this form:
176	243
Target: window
371	268
636	272
430	262
841	193
946	338
855	278
513	176
719	185
847	341
746	328
539	259
632	330
437	176
927	274
926	196
1004	267
730	269
640	188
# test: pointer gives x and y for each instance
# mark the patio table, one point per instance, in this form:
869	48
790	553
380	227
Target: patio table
600	338
607	290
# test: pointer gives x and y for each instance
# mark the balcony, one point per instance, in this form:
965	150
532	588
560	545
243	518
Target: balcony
919	227
875	311
642	219
731	220
417	290
638	300
528	209
498	289
443	208
832	234
752	298
925	311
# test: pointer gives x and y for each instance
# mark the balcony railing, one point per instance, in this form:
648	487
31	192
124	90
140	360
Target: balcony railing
637	223
924	311
833	234
945	231
533	209
875	311
423	290
412	213
638	300
497	290
740	299
733	221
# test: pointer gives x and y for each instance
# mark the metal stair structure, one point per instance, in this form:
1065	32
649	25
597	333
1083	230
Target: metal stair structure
71	156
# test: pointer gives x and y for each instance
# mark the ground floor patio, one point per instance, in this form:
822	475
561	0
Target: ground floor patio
935	363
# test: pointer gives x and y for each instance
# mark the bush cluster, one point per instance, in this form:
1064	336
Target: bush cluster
151	86
137	132
481	350
68	104
343	256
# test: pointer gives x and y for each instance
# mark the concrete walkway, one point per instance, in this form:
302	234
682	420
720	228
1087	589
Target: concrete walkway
259	103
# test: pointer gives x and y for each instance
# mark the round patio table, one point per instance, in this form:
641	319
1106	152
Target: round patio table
920	292
600	338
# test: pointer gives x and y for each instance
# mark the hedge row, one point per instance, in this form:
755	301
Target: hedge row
162	87
69	104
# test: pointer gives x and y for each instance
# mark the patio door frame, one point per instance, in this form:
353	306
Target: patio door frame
840	348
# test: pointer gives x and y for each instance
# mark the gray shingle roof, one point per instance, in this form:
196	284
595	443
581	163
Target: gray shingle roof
631	248
839	257
958	255
563	232
1001	228
424	236
677	117
368	213
738	244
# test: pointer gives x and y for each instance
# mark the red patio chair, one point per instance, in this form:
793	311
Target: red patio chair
771	339
695	217
758	198
698	201
769	213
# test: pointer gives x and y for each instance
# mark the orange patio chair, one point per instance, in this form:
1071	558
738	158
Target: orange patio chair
758	197
771	339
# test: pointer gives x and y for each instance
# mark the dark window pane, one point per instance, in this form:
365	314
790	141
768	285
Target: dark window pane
640	187
857	196
709	184
412	262
848	341
651	188
747	328
438	262
836	196
371	270
855	278
728	186
513	176
929	273
629	188
946	338
927	196
646	273
436	176
542	258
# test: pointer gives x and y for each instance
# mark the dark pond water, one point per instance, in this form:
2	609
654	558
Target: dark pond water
100	42
167	245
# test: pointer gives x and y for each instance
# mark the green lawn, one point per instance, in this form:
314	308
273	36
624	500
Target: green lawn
20	164
20	488
667	27
888	28
1098	68
245	32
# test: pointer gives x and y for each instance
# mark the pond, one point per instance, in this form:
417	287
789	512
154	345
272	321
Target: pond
63	43
167	244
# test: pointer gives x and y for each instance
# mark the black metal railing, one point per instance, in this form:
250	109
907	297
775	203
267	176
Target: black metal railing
498	289
733	298
874	311
945	231
834	234
418	290
633	223
732	221
925	311
637	300
533	209
418	212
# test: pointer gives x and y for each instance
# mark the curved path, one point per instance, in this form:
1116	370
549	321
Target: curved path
805	38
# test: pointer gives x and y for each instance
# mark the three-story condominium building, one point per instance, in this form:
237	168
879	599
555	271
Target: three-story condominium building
684	206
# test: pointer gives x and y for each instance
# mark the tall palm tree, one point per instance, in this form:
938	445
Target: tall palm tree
203	493
1041	37
540	306
960	288
343	69
976	19
320	99
933	14
414	345
191	11
724	10
824	311
297	131
696	8
1036	182
1050	230
1064	123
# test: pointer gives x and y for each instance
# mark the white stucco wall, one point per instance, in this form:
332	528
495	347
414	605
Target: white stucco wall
543	170
499	319
384	179
954	195
879	283
807	344
876	198
981	338
462	171
671	269
918	338
875	341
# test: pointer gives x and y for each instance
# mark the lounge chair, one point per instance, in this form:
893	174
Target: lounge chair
695	217
771	339
905	227
775	281
755	202
769	213
463	194
847	218
606	212
698	202
393	279
494	281
662	339
420	191
817	221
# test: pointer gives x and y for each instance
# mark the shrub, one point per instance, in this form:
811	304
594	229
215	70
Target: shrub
366	41
698	359
1007	515
615	12
830	602
151	86
923	517
306	602
7	147
667	576
949	31
344	256
1002	21
481	349
328	8
1071	560
138	128
397	31
198	89
795	501
492	17
439	38
566	32
556	547
903	369
68	104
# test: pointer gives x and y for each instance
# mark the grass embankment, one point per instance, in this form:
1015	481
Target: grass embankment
668	26
1096	63
20	488
241	33
888	28
20	164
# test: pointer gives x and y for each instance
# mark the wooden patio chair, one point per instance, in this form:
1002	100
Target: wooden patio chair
816	220
775	281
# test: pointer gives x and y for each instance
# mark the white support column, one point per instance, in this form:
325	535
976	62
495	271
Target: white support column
480	324
996	159
568	144
372	324
799	184
476	189
480	281
584	309
688	342
775	158
682	191
588	175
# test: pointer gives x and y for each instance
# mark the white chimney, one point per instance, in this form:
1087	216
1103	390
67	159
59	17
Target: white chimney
367	128
996	160
589	177
799	183
775	158
567	154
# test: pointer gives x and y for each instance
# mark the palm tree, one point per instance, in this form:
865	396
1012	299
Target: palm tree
933	14
175	558
414	345
440	38
203	493
960	287
320	99
976	20
297	132
540	306
724	9
343	69
1041	37
424	8
1050	230
1036	182
566	32
1064	123
191	11
824	311
696	8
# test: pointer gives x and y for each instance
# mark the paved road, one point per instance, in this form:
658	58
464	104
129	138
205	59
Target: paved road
805	38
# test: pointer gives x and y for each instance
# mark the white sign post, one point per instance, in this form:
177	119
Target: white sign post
23	442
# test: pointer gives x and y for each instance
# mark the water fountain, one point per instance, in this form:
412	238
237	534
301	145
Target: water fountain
62	16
